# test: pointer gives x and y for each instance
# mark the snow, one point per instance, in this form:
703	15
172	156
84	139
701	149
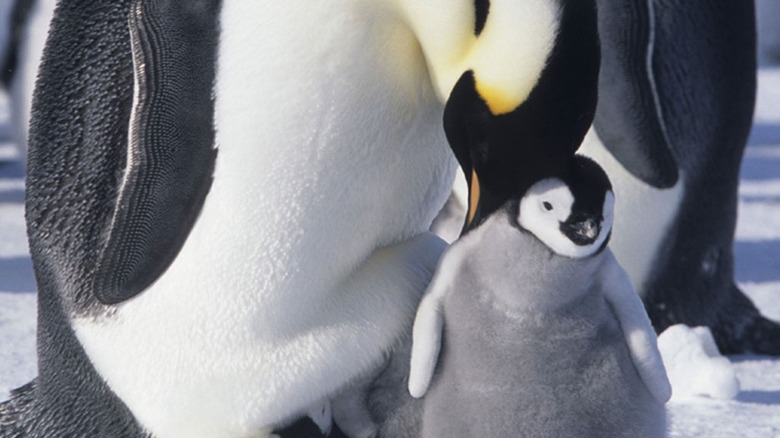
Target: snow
694	365
754	411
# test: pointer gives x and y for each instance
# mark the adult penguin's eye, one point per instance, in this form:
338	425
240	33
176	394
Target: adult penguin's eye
547	206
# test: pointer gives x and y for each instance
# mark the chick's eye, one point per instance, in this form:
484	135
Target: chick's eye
547	206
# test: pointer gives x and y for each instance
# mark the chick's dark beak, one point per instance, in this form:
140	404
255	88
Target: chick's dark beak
582	230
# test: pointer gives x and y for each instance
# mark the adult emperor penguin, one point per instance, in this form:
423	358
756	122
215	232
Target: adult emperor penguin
228	200
676	97
533	329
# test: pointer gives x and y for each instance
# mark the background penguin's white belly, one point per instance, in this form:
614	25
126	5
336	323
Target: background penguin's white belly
330	145
643	213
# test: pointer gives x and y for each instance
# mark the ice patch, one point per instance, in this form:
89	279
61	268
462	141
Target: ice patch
694	365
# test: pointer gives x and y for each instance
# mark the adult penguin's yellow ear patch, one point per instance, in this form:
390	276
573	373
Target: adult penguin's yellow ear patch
473	197
498	101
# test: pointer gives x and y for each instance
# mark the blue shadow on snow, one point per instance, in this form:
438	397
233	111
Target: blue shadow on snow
757	261
16	275
760	168
759	397
12	169
12	196
763	134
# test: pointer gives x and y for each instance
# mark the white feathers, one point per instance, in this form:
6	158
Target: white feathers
635	324
426	345
643	214
303	268
547	205
427	332
209	361
503	267
507	57
543	208
513	49
429	321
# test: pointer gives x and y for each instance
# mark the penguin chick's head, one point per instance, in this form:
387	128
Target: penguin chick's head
572	213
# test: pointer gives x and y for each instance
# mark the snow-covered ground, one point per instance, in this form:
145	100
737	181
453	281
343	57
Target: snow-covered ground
755	412
17	284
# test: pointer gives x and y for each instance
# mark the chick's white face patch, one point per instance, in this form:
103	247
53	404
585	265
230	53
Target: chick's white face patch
547	205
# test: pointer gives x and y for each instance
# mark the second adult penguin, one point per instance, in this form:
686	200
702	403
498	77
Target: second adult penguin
540	330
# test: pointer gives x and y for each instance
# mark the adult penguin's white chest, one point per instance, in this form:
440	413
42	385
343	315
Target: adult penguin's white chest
330	146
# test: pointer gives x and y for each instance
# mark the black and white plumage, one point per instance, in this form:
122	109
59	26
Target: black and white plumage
531	328
493	144
676	94
263	174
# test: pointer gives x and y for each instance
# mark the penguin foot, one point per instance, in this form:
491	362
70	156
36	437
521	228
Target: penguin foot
741	328
757	335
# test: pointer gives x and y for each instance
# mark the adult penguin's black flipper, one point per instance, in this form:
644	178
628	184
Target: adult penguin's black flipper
122	144
629	119
171	152
78	207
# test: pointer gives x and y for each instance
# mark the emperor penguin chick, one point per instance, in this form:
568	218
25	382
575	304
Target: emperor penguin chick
531	328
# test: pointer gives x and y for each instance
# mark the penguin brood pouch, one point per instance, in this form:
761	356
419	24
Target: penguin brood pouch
531	328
